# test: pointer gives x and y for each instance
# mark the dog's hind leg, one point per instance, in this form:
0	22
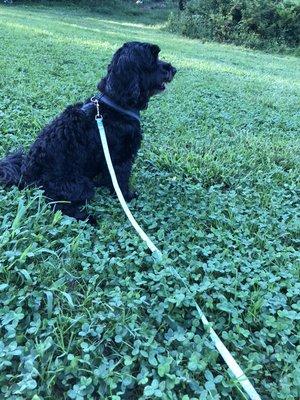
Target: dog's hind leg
70	194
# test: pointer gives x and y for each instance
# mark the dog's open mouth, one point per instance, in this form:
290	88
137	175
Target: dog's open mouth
162	87
158	89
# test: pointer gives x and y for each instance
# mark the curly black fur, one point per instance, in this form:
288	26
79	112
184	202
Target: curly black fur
67	156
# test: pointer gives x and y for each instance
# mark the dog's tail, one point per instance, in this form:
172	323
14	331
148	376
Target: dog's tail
10	168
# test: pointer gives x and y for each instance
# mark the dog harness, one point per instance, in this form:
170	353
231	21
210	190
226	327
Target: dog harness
100	97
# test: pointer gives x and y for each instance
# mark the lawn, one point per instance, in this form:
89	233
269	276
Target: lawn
85	313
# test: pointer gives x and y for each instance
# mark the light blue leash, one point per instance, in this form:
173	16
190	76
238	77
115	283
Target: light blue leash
227	357
156	253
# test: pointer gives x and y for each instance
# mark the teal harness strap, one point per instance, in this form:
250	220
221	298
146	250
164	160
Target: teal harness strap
102	98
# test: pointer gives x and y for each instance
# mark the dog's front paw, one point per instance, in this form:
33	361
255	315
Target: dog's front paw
130	195
92	220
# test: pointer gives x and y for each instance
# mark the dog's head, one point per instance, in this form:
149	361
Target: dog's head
135	74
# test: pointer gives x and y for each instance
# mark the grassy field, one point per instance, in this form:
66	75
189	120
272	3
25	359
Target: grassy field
84	312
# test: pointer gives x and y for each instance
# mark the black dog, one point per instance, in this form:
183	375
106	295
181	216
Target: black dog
67	156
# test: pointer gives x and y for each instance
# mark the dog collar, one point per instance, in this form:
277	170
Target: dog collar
109	102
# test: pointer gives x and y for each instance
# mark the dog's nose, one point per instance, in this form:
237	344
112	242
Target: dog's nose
174	70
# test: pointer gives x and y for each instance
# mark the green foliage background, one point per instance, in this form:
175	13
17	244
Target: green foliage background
84	312
268	24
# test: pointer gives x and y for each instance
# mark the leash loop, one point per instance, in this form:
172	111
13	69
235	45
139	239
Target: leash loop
96	102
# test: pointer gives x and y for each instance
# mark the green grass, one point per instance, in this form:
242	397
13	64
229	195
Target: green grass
84	312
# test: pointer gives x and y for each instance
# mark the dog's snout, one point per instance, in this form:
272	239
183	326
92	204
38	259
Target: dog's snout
170	68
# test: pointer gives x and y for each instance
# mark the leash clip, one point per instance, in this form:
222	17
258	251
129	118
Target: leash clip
96	102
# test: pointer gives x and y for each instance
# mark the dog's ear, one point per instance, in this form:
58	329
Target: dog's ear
132	91
122	80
